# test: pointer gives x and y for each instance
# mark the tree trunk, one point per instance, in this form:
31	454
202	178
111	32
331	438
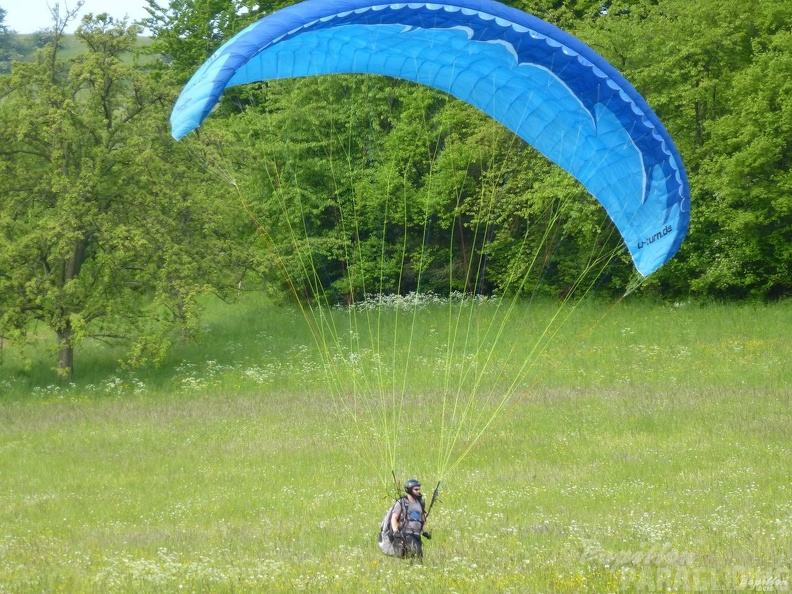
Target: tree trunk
71	270
65	354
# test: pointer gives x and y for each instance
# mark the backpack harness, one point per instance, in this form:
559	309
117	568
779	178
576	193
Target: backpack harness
386	538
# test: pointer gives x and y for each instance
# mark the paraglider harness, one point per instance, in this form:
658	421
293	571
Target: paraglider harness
392	545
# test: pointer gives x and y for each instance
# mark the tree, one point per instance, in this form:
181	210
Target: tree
717	73
368	184
748	176
9	44
187	32
102	231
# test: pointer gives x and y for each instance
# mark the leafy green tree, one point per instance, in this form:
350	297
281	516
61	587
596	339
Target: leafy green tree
187	32
367	184
107	229
747	175
9	44
717	74
562	13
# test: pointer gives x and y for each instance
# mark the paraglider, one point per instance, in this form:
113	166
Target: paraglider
540	82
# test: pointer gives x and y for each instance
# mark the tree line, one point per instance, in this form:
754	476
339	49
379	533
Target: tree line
111	230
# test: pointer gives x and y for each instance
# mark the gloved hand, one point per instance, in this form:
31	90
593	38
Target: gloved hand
397	534
427	535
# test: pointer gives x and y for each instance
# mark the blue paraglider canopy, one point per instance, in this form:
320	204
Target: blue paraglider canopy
540	82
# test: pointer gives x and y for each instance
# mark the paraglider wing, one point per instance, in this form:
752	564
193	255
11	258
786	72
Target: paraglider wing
540	82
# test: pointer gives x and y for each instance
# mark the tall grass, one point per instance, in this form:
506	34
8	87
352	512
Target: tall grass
649	451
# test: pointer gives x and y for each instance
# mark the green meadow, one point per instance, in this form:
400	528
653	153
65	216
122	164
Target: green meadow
648	448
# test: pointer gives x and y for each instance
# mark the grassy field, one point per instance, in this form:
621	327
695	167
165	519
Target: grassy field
649	451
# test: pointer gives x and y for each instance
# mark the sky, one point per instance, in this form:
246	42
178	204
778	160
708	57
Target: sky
29	16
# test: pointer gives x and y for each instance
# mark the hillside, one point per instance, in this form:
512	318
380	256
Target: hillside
23	47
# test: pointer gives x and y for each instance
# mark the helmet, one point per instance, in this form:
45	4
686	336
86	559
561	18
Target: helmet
411	484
